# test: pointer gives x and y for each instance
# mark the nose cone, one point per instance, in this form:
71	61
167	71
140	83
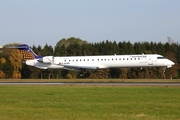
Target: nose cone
170	63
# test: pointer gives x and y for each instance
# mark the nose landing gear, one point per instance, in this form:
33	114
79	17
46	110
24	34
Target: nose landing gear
164	70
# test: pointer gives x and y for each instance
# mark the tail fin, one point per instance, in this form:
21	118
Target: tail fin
26	51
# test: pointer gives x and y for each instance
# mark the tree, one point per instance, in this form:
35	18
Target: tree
15	58
160	49
178	54
47	50
139	48
172	72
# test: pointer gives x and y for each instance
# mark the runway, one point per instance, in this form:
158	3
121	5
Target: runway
95	84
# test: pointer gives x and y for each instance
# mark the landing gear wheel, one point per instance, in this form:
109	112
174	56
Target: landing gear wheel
164	70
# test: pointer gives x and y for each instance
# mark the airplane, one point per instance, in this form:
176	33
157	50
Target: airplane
92	62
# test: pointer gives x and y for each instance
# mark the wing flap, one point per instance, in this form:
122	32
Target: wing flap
72	67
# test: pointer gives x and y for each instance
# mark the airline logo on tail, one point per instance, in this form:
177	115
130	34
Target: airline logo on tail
26	51
27	55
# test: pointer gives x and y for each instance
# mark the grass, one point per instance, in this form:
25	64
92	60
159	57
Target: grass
29	102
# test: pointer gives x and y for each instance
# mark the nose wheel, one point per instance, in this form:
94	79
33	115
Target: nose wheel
164	70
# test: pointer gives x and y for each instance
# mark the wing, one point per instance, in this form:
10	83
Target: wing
77	67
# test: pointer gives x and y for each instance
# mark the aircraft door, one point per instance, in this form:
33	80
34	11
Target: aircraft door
150	60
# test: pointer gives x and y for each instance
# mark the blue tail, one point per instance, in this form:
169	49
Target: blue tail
26	51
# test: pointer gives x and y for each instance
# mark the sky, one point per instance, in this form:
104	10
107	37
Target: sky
37	22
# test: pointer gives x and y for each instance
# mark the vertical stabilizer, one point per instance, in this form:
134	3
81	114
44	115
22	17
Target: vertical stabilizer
26	51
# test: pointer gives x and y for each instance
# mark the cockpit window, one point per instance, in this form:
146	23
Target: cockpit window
161	58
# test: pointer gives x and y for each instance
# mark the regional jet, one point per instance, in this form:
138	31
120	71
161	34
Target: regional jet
92	62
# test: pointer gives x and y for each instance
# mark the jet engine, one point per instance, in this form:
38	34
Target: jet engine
47	59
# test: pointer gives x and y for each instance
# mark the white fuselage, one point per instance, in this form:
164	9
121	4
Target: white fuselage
102	62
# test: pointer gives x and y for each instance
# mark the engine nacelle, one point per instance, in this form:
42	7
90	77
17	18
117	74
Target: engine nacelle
47	59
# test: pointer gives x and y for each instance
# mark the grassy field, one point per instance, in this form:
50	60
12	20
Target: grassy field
30	102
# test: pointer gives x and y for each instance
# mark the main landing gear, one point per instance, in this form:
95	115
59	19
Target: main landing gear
84	73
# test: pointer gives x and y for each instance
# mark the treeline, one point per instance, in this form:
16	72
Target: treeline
11	60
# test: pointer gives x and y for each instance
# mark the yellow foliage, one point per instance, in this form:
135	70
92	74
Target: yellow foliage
16	75
15	58
2	74
3	61
69	76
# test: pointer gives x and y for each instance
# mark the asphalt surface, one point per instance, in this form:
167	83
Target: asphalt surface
96	84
